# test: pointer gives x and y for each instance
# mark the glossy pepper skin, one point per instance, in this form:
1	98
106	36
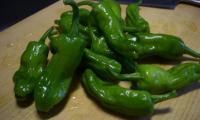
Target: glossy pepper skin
107	68
111	29
33	62
55	81
134	19
99	46
115	6
144	44
121	100
163	45
64	25
65	22
101	64
157	80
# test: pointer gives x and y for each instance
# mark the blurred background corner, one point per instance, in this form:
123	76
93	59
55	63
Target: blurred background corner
12	11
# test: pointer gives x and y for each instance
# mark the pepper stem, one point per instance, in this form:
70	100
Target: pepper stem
45	35
75	19
191	52
163	97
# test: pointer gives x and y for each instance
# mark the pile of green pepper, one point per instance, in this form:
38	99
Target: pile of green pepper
109	48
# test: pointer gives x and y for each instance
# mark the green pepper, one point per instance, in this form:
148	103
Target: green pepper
111	28
133	18
65	21
107	68
55	81
99	45
101	63
121	100
157	80
163	45
115	6
33	62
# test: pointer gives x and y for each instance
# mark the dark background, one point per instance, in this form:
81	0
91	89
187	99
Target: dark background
12	11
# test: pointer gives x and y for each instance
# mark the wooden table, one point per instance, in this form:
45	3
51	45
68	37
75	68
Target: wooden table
184	22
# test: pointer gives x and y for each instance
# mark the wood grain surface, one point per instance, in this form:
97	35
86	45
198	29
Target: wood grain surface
184	22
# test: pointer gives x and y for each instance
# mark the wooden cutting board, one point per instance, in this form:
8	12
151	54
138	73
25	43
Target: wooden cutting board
184	22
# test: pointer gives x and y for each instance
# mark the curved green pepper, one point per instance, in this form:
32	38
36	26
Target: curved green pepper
111	29
99	45
121	100
157	80
134	19
115	6
55	81
33	62
163	45
101	64
107	68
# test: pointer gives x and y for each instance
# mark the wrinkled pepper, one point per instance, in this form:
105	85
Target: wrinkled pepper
158	80
99	45
100	63
111	29
121	100
107	68
55	81
32	64
133	19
